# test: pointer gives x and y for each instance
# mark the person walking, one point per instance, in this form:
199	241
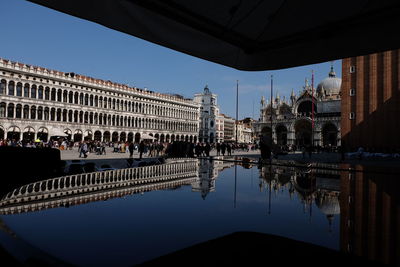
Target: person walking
223	148
207	149
141	149
131	147
229	149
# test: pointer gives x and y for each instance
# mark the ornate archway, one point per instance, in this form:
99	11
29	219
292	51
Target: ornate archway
281	135
329	135
303	133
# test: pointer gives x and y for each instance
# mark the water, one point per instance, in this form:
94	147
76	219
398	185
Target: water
120	225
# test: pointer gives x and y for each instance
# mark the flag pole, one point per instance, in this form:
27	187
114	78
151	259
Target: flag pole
312	108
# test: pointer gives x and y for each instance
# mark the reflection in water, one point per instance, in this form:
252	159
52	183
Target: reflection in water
370	221
366	204
88	187
318	186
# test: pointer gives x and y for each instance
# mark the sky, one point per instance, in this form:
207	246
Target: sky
39	36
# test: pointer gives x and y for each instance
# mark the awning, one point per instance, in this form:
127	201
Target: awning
147	137
58	132
251	35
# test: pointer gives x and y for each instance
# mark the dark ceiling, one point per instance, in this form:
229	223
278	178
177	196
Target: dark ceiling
250	35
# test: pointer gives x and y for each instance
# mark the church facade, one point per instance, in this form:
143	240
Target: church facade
312	117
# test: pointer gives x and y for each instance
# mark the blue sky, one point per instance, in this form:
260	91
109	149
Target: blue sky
43	37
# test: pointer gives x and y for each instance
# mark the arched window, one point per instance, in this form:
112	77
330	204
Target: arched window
81	117
96	101
76	116
33	91
91	100
70	116
11	88
86	99
46	114
76	98
47	93
26	112
40	92
19	89
65	115
18	110
2	110
81	99
65	96
40	113
53	94
3	84
26	90
58	114
59	95
10	111
53	114
71	97
33	113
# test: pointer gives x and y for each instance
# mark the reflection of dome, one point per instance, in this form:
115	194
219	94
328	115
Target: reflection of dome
329	86
328	205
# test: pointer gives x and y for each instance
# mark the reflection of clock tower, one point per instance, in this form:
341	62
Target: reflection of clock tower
211	121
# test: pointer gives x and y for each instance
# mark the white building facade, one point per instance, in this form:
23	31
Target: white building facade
211	128
37	103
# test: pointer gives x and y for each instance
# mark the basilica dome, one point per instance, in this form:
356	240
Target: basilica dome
329	86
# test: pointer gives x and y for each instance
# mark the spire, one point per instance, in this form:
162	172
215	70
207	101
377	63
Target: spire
332	73
292	94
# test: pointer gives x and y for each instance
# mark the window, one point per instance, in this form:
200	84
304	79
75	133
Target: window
352	69
352	92
352	115
11	86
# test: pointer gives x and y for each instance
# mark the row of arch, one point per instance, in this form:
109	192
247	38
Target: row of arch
72	97
30	134
303	133
19	111
156	173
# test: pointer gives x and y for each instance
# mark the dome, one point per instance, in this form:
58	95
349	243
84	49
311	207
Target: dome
329	86
328	205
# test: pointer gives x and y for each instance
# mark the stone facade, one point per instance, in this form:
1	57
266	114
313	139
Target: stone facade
370	102
36	102
297	122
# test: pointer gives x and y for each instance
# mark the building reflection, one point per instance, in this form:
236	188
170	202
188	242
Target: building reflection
96	186
366	201
311	185
370	214
208	173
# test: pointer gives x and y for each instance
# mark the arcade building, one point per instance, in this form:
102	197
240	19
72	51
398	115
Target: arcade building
38	103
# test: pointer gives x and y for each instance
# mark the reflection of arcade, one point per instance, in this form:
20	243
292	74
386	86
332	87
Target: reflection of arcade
370	217
88	187
320	186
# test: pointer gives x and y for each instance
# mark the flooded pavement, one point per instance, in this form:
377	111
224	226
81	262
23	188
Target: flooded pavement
131	215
